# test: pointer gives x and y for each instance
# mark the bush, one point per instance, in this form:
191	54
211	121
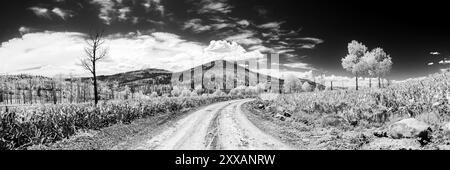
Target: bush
218	92
154	95
185	93
175	92
234	92
260	88
307	87
23	127
194	94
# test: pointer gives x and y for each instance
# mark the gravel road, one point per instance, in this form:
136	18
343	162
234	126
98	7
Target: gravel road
220	126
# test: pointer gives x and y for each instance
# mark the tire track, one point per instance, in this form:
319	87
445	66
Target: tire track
221	126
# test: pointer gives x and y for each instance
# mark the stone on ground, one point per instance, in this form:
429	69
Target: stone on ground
409	128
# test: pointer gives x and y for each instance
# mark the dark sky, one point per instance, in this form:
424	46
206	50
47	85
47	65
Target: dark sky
407	30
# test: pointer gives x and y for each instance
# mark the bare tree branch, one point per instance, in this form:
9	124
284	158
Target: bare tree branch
94	52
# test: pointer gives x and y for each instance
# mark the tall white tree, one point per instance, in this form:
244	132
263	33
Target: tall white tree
292	84
379	64
354	61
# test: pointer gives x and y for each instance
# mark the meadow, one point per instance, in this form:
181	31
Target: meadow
25	126
430	96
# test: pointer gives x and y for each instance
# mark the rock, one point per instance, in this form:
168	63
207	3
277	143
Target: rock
333	120
410	128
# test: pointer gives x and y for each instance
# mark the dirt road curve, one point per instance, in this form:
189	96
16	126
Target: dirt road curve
221	126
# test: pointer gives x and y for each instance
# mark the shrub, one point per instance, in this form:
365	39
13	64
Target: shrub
307	87
175	92
218	92
234	92
194	94
25	126
154	94
185	93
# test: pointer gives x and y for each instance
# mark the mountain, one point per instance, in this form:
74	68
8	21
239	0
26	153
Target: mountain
212	70
225	69
140	77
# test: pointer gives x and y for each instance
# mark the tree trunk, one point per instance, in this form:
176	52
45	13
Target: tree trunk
356	82
95	88
55	99
31	95
370	82
331	85
379	82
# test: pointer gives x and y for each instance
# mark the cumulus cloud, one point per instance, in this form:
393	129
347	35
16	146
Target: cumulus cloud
232	51
60	52
56	51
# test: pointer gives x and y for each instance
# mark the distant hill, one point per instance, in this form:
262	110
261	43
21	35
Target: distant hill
150	77
140	77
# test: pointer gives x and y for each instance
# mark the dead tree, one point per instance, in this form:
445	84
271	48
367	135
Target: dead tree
94	52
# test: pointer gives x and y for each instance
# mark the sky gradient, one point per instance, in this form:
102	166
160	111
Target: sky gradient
47	37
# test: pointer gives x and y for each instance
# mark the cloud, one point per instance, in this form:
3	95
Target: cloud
310	39
60	52
214	6
246	38
57	50
308	46
106	10
435	53
154	5
63	14
47	14
444	62
221	26
196	26
123	13
299	65
24	30
271	25
262	48
224	47
225	50
41	12
243	23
